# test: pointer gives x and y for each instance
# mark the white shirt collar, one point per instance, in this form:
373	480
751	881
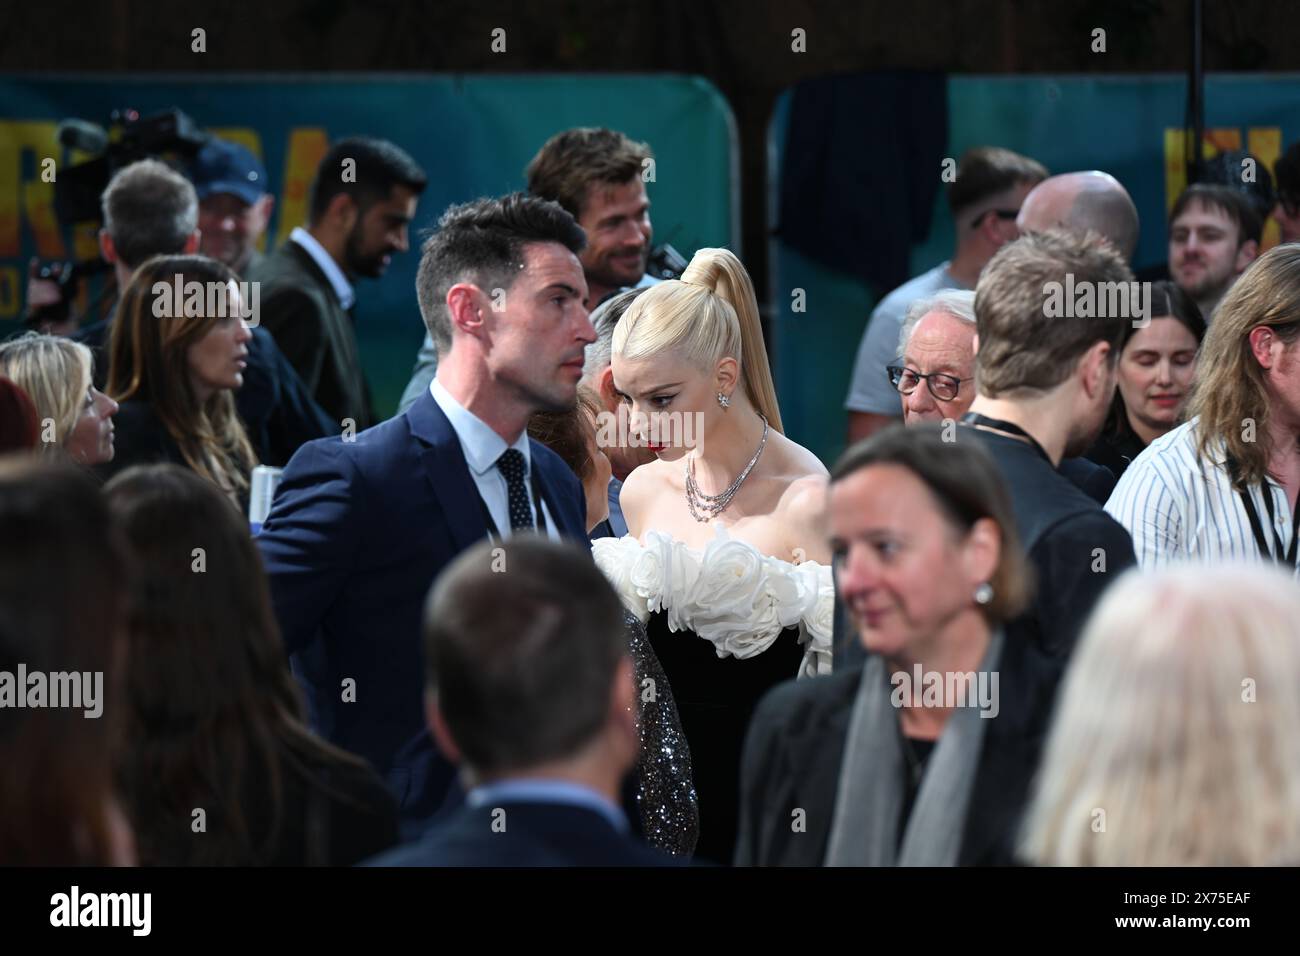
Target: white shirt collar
480	443
342	288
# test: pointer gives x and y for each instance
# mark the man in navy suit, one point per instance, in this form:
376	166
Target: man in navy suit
530	689
362	526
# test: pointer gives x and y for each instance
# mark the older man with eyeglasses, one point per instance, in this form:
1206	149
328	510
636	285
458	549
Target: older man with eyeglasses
937	342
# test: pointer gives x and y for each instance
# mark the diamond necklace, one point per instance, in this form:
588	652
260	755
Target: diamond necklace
707	507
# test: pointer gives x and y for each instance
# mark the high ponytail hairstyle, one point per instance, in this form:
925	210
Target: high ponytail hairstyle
708	314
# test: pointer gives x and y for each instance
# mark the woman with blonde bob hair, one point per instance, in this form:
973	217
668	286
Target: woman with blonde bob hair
75	418
1177	738
724	562
174	368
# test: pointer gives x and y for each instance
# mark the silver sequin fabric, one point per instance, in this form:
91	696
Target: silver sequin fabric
670	817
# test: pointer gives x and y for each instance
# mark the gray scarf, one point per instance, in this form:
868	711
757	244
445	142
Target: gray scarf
869	797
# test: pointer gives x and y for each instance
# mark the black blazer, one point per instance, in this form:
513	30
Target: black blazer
357	534
1065	533
299	308
535	834
140	438
795	747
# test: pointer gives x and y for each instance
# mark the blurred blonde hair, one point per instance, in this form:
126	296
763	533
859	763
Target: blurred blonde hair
56	374
709	314
1158	727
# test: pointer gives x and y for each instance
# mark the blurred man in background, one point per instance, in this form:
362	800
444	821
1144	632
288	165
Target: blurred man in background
362	201
1214	234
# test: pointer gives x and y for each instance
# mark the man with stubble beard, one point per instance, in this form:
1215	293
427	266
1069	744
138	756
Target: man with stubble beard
362	201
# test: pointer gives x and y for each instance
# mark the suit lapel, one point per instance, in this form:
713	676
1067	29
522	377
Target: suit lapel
444	465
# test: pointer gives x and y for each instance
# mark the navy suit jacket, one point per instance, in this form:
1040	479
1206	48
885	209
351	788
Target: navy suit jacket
534	834
357	534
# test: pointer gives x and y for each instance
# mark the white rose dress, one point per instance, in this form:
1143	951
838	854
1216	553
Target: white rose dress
727	623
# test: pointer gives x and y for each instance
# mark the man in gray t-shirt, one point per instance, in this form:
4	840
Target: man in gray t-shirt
984	199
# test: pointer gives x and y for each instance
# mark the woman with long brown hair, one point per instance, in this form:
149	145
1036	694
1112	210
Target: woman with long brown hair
214	722
62	576
174	363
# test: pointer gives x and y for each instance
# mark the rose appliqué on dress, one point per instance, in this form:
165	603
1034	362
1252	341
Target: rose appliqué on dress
730	594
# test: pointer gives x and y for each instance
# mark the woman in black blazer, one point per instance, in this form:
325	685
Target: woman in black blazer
923	753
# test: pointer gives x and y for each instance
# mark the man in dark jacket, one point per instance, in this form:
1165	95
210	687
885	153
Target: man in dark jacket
362	201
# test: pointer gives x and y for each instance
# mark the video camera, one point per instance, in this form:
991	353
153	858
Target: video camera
170	136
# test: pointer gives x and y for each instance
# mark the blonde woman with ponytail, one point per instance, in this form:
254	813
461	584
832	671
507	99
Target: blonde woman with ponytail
726	562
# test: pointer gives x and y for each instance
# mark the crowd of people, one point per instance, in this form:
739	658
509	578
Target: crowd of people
582	600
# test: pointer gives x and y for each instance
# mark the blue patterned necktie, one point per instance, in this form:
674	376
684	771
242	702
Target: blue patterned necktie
511	465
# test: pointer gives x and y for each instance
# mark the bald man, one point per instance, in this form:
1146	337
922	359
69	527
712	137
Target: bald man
1077	202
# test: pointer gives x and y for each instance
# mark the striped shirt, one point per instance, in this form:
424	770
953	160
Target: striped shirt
1179	506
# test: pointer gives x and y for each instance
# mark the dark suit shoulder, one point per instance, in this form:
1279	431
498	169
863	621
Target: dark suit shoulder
524	834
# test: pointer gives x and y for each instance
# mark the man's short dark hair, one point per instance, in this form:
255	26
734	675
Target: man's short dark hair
483	242
572	161
149	210
522	646
1226	200
986	172
379	166
1023	348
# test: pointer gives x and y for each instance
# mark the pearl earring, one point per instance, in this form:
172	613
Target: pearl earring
724	400
984	593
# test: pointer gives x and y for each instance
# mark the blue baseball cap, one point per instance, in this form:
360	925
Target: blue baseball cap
225	167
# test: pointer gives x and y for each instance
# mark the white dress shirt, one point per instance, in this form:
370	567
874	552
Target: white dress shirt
342	287
1179	506
482	447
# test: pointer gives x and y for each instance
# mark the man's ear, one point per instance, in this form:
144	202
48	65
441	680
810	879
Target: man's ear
192	243
263	209
438	727
465	308
342	211
1096	368
1246	255
1261	339
605	386
623	700
106	248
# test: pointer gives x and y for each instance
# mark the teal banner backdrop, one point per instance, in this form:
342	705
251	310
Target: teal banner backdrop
473	136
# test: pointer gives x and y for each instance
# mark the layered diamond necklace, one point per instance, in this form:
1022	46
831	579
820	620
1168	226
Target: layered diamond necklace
707	507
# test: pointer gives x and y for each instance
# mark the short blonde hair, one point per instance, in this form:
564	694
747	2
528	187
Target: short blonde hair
1177	735
56	373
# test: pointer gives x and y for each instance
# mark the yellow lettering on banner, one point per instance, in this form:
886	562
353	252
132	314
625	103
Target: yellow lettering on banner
22	137
10	292
38	206
307	147
1265	144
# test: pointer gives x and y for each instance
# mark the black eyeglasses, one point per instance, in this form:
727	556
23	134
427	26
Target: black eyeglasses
943	387
1000	213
